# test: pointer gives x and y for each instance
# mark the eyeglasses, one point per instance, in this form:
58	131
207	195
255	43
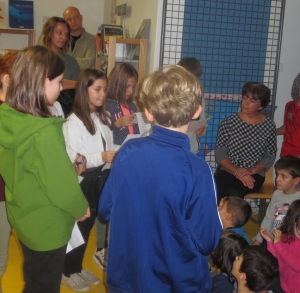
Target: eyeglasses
60	33
252	100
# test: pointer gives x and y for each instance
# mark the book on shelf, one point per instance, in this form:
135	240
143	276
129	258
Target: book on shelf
109	30
2	15
20	14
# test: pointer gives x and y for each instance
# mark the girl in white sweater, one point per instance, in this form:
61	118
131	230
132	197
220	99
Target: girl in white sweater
89	144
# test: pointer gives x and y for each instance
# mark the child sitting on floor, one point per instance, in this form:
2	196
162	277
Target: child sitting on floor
287	178
235	213
231	245
286	247
255	269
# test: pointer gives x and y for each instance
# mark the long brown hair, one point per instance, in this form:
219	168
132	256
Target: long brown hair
81	108
6	64
27	80
48	31
117	82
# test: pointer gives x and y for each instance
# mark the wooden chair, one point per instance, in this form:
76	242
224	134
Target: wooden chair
264	193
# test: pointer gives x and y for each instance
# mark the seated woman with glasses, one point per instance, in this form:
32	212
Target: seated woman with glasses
56	36
246	145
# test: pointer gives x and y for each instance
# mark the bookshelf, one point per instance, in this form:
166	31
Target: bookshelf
30	34
111	58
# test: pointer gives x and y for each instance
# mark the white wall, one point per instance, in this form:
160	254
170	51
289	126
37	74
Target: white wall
289	59
92	11
139	10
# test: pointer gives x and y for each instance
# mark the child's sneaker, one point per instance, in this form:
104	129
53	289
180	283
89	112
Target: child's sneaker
75	282
89	277
100	258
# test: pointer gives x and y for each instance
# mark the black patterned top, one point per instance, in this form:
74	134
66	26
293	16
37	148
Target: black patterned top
246	145
119	134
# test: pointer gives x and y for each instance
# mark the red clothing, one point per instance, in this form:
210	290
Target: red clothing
291	139
126	111
288	256
1	182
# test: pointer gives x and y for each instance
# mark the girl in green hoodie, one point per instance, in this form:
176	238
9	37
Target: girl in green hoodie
43	197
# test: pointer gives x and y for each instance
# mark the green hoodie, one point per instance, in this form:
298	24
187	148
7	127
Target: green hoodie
43	197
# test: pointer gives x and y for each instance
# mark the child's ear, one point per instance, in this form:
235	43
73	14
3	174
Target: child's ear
242	277
5	80
197	114
229	216
149	115
47	82
297	180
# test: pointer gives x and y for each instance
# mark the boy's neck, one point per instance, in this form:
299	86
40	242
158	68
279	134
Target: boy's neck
243	289
227	225
292	190
182	129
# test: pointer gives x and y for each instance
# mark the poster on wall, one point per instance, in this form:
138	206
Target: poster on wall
21	14
2	14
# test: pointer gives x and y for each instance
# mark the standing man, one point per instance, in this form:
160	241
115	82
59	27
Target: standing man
83	44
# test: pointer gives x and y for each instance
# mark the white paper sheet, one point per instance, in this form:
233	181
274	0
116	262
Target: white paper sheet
197	123
76	239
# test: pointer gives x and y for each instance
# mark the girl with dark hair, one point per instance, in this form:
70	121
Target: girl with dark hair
89	145
231	245
121	86
286	248
43	198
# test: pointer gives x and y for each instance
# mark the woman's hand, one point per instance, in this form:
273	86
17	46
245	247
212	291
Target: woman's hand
264	234
126	120
87	215
200	130
248	181
108	156
240	172
277	235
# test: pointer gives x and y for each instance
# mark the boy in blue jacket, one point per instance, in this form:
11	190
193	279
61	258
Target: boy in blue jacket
160	198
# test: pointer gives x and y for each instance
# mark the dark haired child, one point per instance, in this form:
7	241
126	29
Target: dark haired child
192	65
235	213
255	269
160	198
88	139
231	245
287	178
121	87
286	248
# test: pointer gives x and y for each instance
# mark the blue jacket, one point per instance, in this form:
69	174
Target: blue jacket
241	231
161	203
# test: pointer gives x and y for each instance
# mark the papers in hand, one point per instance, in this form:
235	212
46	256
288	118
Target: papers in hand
197	123
76	239
144	127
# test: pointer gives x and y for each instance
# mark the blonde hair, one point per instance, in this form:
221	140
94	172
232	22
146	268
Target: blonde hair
27	80
48	31
172	95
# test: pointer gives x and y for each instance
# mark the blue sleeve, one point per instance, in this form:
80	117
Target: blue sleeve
202	216
220	284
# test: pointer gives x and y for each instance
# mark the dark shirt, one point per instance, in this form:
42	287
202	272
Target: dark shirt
74	40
